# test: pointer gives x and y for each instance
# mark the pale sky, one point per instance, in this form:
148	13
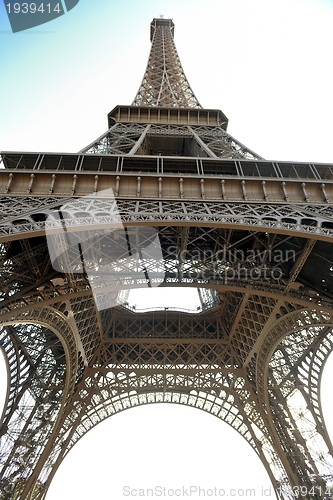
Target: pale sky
268	65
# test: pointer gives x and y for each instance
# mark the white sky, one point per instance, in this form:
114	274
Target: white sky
268	65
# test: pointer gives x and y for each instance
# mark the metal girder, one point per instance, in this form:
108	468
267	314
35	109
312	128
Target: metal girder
300	263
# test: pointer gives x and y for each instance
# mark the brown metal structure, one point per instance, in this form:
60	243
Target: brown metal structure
255	238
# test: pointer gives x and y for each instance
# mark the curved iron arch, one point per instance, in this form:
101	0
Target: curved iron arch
43	375
307	325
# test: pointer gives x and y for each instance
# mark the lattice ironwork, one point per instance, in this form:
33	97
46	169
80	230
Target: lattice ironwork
254	237
164	82
170	140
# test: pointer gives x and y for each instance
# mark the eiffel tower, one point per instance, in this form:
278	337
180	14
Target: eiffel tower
166	197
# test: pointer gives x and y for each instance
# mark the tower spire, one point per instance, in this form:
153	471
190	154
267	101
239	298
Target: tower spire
165	117
164	83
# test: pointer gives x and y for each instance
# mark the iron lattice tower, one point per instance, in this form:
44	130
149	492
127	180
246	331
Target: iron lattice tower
165	197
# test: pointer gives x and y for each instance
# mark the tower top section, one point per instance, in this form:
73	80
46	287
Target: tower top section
164	83
168	23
